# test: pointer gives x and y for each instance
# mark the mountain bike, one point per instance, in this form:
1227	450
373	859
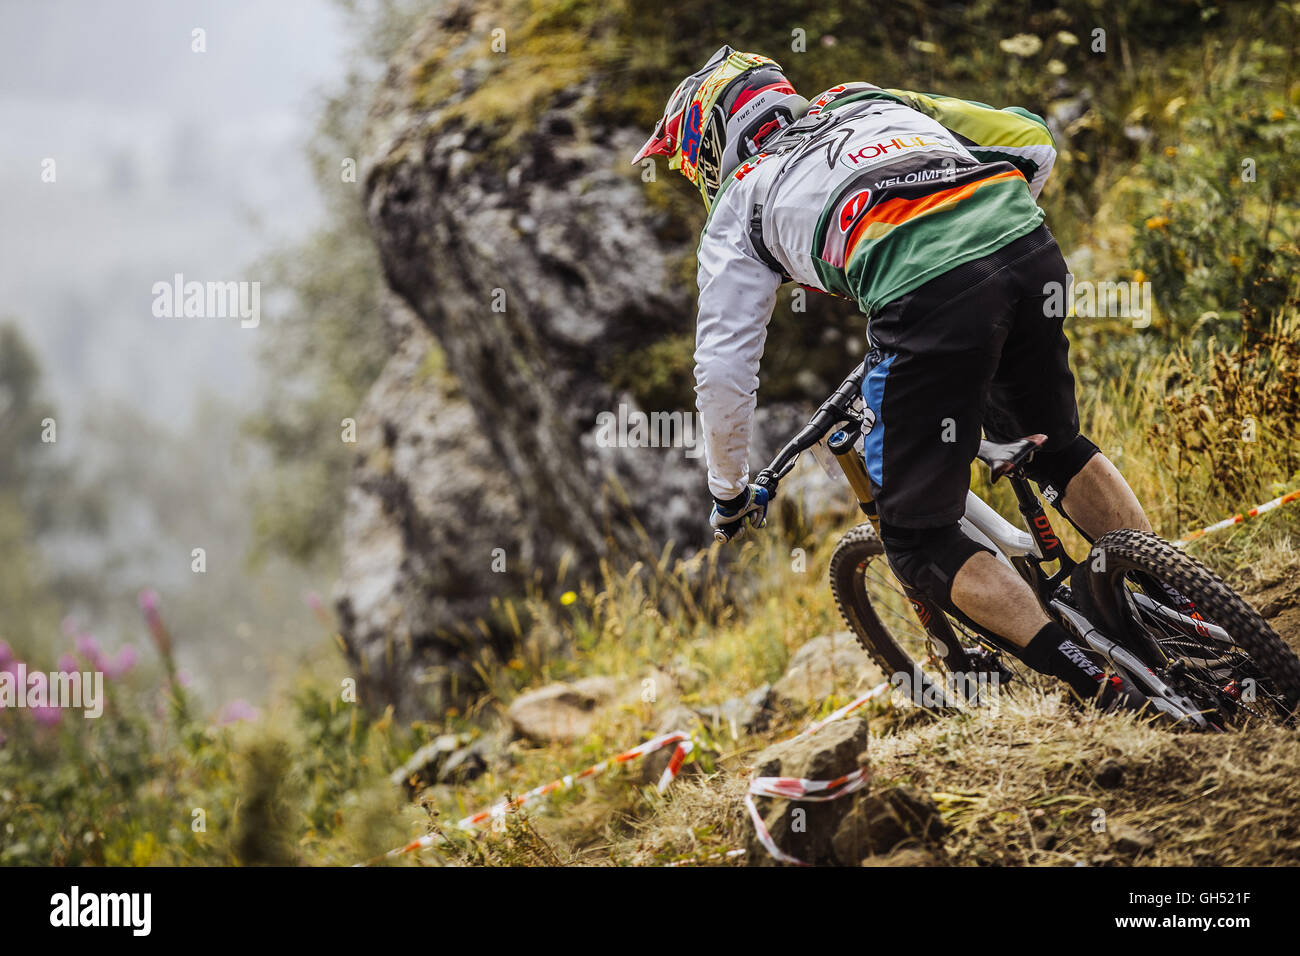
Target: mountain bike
1139	605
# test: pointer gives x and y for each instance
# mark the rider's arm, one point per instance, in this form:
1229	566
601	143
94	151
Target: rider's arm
1011	135
737	295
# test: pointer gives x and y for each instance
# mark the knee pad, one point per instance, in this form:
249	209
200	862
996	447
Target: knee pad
1052	470
927	559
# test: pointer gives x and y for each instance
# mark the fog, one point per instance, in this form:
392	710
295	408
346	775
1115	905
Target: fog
166	161
128	157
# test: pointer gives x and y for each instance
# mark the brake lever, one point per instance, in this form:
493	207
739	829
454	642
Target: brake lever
767	479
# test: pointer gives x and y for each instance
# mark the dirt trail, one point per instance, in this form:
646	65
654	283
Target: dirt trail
1279	604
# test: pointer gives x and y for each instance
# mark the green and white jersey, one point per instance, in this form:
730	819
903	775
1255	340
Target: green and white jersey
871	194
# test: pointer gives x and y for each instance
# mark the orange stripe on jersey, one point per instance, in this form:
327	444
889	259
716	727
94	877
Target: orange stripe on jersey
894	212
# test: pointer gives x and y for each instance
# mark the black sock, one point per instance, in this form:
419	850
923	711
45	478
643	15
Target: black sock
1052	651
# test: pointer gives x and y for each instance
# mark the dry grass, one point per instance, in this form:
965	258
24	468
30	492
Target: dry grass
1018	786
1021	788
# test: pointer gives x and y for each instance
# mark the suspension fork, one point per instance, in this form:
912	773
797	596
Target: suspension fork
843	445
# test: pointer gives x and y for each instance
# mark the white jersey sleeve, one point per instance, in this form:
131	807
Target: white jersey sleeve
737	295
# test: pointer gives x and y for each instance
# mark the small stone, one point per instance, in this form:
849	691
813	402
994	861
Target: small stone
832	663
807	829
561	712
422	768
464	765
1110	773
676	717
1131	841
750	714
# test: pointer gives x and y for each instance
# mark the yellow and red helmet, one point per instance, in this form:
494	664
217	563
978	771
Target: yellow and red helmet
718	117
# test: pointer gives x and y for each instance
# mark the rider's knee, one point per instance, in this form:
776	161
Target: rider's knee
1052	470
927	559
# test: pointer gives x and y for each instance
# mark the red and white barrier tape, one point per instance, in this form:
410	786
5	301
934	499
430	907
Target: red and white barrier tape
497	811
1238	519
844	711
808	791
790	788
684	746
793	788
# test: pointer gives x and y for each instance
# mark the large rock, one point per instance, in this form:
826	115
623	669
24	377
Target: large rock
533	273
544	267
412	582
561	712
807	830
889	820
830	664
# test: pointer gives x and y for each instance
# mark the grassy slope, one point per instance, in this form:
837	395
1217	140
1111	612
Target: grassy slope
1018	785
308	783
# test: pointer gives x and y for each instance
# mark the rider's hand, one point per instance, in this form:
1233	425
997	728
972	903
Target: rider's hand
729	518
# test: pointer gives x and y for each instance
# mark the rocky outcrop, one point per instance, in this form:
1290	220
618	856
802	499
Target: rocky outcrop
488	474
544	268
411	584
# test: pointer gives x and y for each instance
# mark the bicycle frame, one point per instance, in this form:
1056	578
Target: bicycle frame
1025	551
989	528
840	424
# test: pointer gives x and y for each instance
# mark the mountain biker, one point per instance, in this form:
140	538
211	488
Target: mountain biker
921	208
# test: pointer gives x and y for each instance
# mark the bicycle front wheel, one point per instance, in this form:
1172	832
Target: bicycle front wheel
1186	624
885	622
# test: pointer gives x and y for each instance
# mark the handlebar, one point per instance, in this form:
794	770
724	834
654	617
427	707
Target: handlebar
833	411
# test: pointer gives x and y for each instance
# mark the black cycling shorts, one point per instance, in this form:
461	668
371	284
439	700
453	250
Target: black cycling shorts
972	349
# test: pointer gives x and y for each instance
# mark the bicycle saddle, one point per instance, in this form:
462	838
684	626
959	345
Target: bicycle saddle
1004	457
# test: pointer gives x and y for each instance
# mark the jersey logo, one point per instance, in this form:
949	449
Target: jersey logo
853	208
874	153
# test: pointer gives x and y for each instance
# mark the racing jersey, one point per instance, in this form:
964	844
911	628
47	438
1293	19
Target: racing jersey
869	195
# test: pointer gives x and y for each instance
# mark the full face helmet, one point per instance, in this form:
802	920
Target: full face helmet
719	116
